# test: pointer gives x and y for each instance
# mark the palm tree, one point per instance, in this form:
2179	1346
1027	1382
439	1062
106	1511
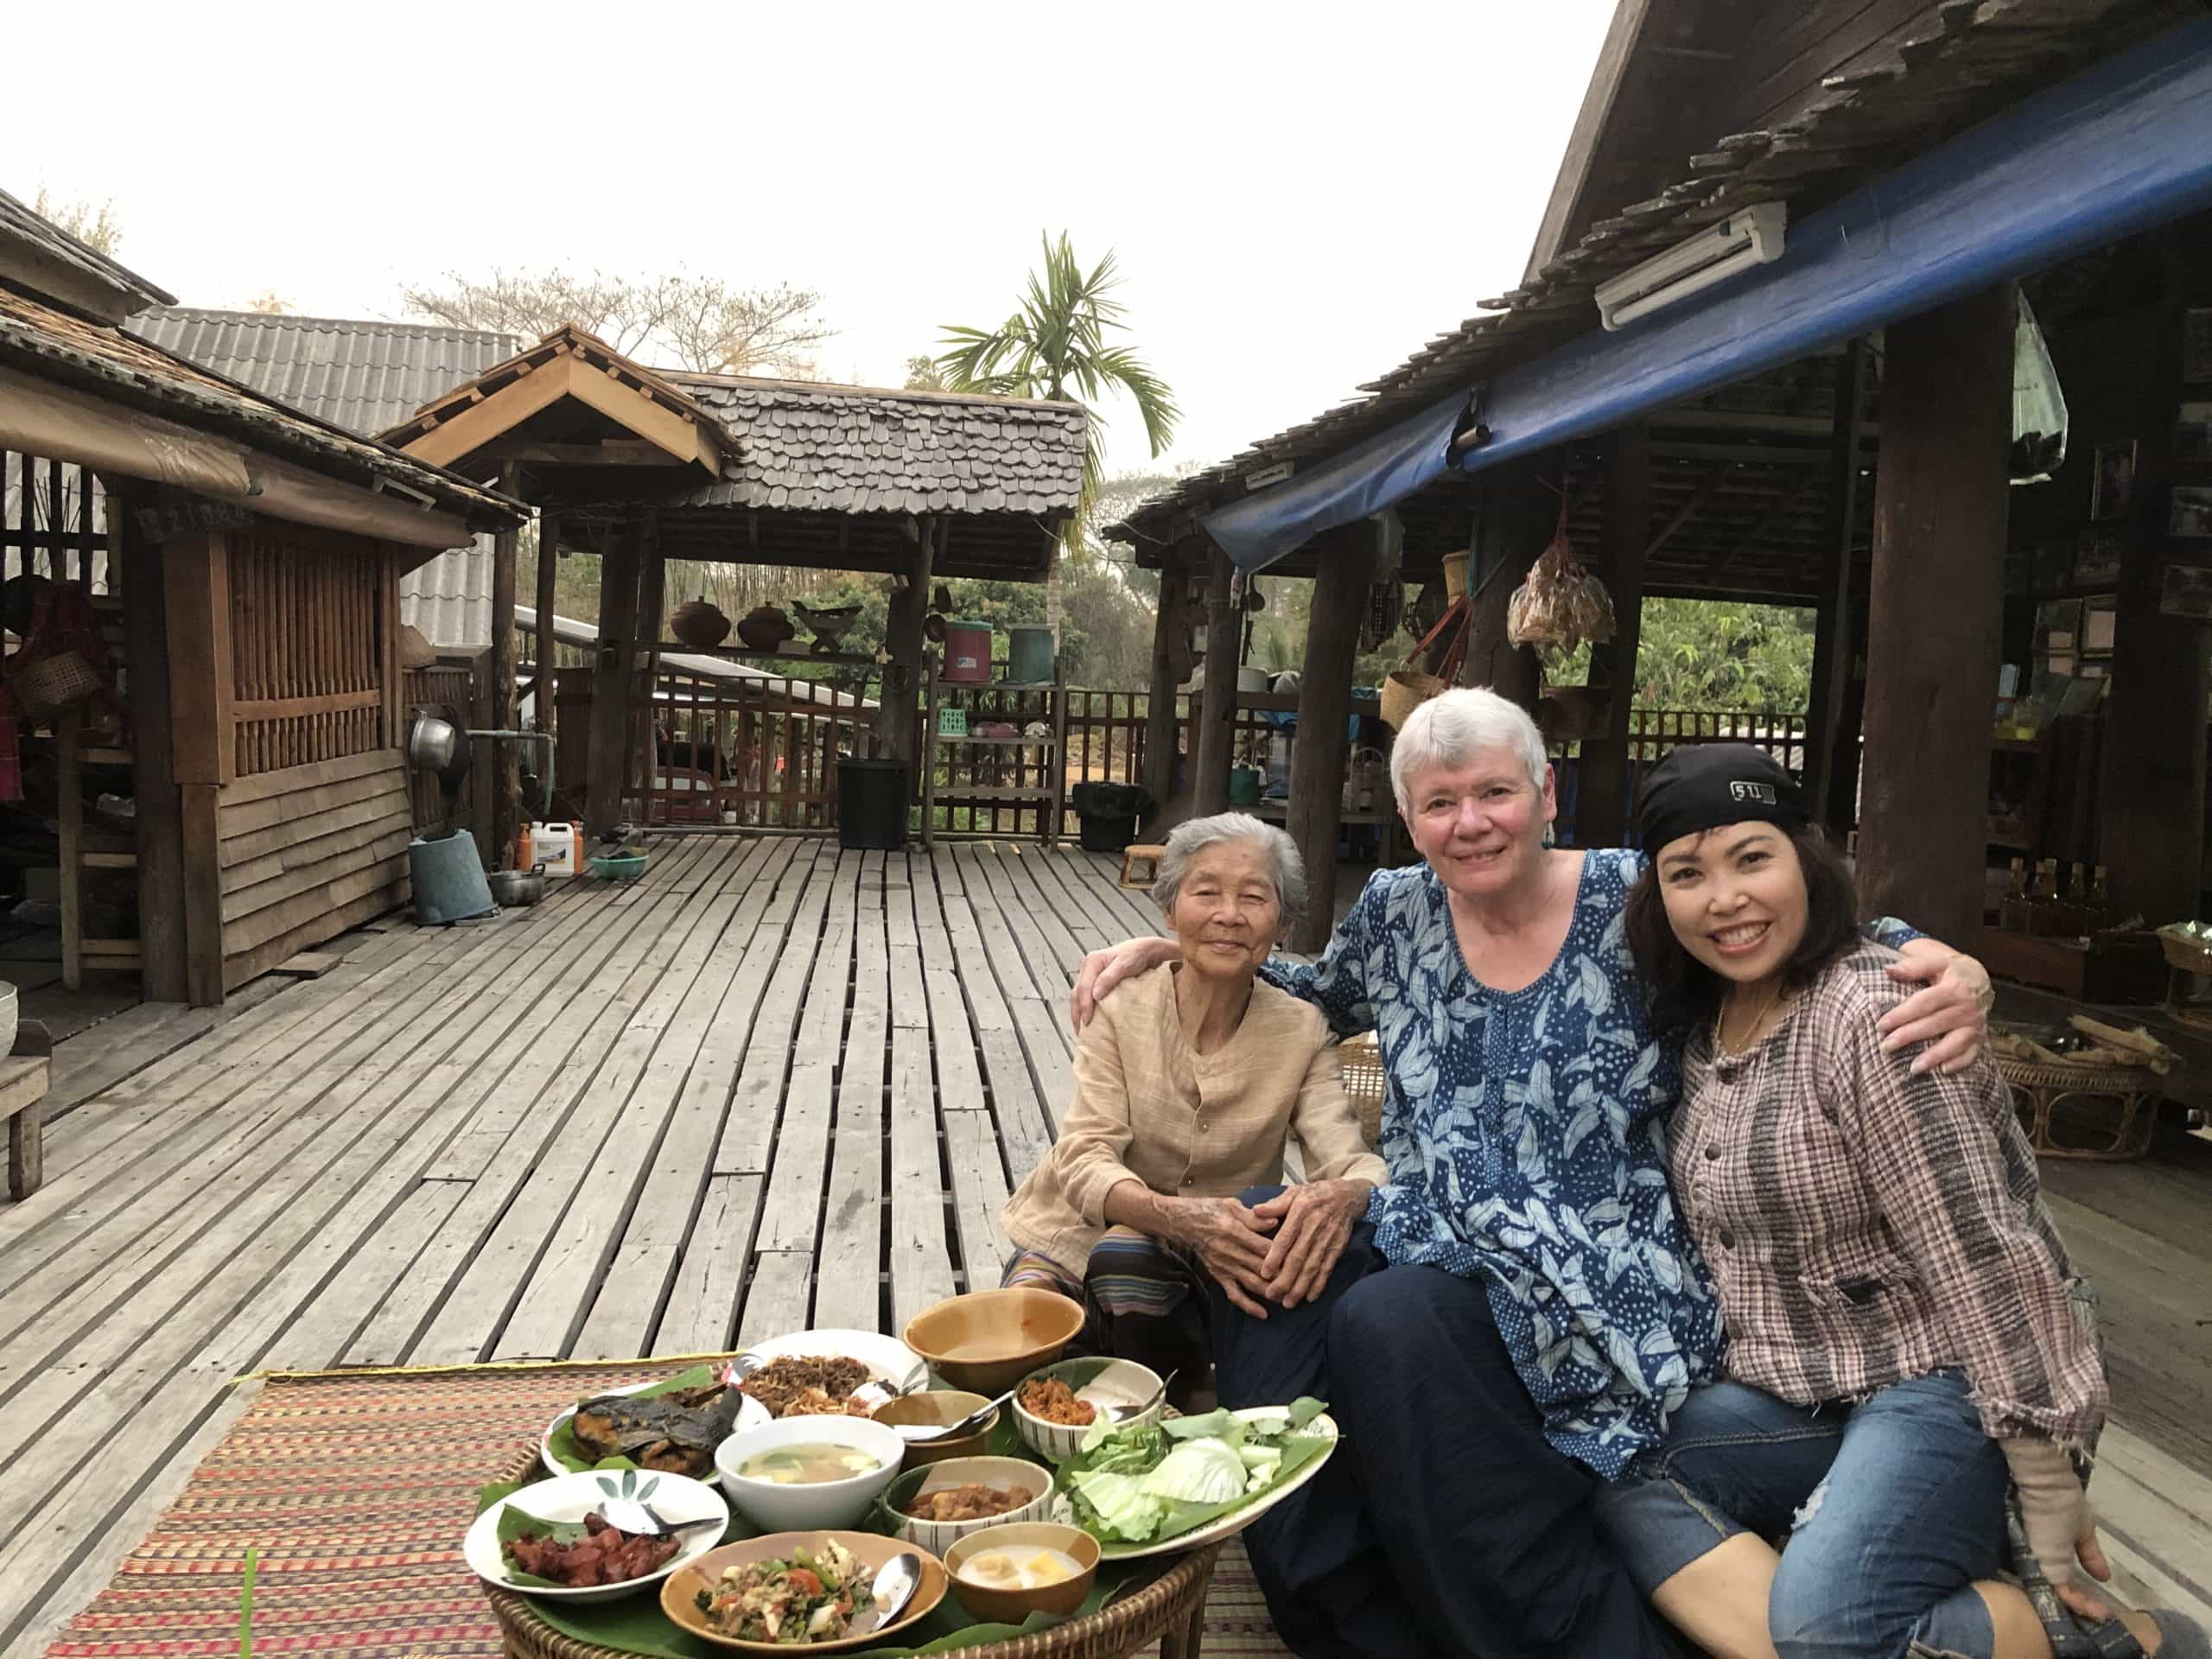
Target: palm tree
1055	346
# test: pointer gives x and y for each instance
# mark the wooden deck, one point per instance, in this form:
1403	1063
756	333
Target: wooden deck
773	1083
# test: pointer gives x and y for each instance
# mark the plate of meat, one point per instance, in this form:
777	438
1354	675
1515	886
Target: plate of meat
550	1539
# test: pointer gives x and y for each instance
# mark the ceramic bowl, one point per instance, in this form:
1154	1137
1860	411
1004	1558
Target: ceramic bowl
1003	1474
1012	1606
570	1497
988	1340
679	1591
939	1407
775	1508
1102	1383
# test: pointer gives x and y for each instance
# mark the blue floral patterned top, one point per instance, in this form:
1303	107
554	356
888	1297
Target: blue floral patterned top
1525	1134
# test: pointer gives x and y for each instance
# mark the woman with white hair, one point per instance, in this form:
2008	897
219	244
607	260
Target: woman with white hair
1188	1087
1520	1308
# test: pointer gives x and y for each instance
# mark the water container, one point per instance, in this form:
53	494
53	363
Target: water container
558	847
872	804
1029	653
449	879
967	653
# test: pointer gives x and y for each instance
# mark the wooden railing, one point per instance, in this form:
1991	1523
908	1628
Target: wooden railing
306	656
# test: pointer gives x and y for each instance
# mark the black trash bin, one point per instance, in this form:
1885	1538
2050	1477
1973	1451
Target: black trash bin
872	804
1109	813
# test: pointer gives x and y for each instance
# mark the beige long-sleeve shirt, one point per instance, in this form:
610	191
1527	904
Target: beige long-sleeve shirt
1148	1107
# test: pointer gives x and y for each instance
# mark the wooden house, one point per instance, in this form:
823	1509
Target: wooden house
257	553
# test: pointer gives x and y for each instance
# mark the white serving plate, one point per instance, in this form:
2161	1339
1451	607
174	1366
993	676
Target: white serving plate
569	1498
1234	1523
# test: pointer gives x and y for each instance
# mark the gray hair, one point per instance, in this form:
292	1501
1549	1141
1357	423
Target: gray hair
1188	840
1451	728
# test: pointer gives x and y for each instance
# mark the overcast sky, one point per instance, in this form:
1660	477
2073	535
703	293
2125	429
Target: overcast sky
1299	196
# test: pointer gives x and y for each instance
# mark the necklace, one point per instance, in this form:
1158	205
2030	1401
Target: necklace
1720	1043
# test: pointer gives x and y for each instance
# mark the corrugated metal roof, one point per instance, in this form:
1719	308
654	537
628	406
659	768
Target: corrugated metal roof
366	377
363	376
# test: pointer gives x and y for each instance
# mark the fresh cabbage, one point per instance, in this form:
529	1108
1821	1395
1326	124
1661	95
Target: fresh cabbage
1215	1424
1123	1509
1261	1465
1198	1471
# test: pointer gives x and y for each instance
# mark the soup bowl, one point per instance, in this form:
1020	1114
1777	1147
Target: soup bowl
795	1506
988	1340
938	1408
1022	1539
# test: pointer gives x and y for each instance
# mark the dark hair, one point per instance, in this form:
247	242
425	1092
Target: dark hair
1684	993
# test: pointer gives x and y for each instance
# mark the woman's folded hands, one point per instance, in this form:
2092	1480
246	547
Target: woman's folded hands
1311	1224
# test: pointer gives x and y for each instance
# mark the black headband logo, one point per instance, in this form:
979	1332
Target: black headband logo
1763	794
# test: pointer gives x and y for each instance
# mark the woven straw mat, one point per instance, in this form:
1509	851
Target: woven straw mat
356	1488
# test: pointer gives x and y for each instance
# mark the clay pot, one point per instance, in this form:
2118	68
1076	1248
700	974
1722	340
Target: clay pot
765	628
700	624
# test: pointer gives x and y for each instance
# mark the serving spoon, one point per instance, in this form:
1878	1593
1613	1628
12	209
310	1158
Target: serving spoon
1121	1413
896	1580
968	1425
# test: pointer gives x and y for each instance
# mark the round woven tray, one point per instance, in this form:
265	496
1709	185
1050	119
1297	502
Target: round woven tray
2124	1099
1171	1609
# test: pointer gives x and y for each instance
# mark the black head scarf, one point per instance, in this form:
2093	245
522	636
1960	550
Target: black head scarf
1701	785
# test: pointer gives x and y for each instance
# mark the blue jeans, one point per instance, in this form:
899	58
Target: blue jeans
1891	1508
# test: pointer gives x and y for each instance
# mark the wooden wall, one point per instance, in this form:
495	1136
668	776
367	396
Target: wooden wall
286	714
308	851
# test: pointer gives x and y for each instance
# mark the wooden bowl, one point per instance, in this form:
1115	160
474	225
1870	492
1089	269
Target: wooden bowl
1012	1606
938	1406
988	1340
679	1591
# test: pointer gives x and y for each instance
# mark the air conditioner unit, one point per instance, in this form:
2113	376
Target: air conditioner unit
1753	236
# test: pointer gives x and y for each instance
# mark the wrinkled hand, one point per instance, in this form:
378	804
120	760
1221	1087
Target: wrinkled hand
1232	1242
1103	969
1314	1221
1950	1014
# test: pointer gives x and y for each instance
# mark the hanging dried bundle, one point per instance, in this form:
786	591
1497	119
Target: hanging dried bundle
1560	604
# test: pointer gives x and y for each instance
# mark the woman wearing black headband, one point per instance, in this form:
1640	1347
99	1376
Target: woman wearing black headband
1903	1333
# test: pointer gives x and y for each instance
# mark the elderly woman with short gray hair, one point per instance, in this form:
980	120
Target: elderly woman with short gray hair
1188	1087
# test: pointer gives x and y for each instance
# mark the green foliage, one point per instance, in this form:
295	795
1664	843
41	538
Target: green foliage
1056	346
1711	654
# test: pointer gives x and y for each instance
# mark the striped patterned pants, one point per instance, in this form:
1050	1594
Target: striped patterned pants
1143	1299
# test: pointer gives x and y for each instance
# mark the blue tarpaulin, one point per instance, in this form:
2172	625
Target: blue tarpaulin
2118	148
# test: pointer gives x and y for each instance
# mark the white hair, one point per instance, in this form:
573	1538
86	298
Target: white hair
1450	729
1286	869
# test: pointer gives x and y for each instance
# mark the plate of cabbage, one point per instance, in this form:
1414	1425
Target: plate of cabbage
1184	1482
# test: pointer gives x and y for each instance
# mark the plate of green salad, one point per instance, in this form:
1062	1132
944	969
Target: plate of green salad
1184	1482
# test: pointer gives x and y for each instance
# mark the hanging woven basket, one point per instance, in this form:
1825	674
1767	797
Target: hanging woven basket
53	684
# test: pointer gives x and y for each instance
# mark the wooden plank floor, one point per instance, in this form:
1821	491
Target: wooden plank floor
774	1084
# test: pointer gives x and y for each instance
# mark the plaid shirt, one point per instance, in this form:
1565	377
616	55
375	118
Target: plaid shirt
1865	1225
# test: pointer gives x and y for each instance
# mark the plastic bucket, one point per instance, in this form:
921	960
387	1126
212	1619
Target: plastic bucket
872	804
1029	653
967	653
1106	833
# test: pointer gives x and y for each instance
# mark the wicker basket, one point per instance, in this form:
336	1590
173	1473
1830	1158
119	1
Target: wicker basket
1361	1058
53	684
2124	1098
1405	691
1455	576
1170	1609
2186	953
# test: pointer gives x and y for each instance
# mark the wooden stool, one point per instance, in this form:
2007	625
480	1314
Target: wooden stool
23	1080
1145	854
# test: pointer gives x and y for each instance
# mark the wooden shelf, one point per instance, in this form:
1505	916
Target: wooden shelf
944	685
1004	742
834	658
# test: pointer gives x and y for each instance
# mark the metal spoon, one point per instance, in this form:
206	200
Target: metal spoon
1122	1414
968	1425
896	1580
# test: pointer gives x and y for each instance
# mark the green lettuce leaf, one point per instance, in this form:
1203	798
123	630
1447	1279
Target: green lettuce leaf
1120	1507
1198	1471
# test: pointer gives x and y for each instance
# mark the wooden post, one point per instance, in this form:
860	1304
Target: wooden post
1601	801
652	606
895	730
1932	647
1513	528
198	600
1317	759
1835	646
69	830
1170	653
1217	733
203	894
506	805
159	825
608	763
2151	835
549	563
